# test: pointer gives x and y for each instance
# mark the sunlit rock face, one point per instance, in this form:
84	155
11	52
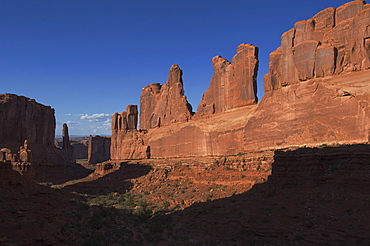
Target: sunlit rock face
126	141
161	105
233	84
317	92
334	41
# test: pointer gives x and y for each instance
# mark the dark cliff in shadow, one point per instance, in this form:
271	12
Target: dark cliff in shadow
315	196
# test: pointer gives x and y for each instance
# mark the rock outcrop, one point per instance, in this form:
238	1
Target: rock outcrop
26	123
161	105
233	84
98	149
126	141
65	135
334	41
23	118
317	92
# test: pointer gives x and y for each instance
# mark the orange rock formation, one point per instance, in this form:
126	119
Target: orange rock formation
233	84
316	92
161	105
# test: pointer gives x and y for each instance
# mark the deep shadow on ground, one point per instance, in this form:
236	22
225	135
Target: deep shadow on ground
316	196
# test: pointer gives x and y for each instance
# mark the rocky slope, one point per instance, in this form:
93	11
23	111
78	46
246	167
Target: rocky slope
294	197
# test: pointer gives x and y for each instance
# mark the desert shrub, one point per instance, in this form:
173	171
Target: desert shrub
143	209
166	205
95	239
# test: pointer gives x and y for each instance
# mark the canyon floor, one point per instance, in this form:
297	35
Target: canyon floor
309	196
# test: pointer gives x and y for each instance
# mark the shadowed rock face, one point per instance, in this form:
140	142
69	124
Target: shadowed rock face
233	84
21	119
99	149
334	41
65	135
161	105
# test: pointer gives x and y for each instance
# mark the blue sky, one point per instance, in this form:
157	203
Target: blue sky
90	58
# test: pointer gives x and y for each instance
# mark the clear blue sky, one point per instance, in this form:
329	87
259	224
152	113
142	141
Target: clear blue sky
90	58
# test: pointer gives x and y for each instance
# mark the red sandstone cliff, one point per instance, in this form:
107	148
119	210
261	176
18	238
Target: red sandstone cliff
334	41
161	105
21	119
317	92
126	141
233	84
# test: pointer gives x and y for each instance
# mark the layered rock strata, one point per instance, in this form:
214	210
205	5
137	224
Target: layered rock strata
317	92
233	84
334	41
23	119
126	141
161	105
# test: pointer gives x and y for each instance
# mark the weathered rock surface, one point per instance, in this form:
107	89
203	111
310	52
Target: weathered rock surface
79	144
21	119
233	84
65	135
161	105
126	141
80	149
99	149
317	92
334	41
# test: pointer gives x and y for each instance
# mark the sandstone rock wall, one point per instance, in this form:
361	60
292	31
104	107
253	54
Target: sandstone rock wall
313	112
126	141
21	119
98	149
233	84
288	171
317	92
220	134
81	150
161	105
334	41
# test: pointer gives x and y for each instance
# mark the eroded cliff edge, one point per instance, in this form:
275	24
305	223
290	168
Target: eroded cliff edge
316	92
27	131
